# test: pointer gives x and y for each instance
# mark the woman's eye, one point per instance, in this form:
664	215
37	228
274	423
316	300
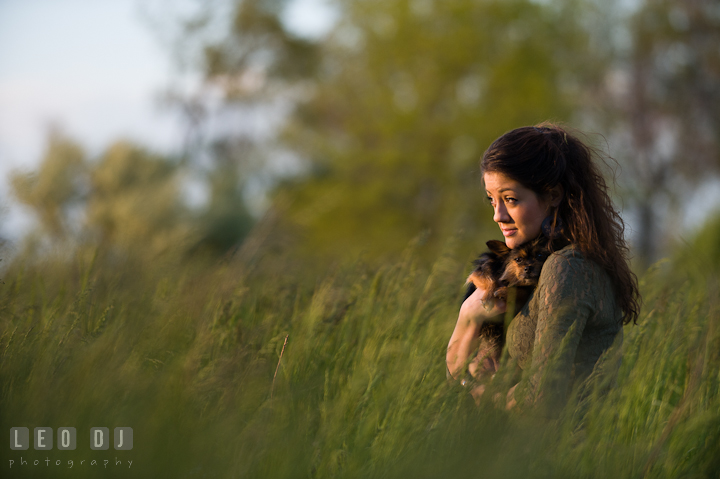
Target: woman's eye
510	200
490	200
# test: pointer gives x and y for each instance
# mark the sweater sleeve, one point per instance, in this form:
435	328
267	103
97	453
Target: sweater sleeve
564	305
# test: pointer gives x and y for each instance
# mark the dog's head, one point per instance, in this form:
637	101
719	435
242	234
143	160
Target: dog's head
524	263
489	266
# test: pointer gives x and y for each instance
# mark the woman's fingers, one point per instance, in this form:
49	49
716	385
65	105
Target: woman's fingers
474	307
498	307
477	393
511	398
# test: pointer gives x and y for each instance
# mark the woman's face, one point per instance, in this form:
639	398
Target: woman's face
517	210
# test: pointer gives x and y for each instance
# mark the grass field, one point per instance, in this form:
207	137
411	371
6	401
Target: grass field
189	356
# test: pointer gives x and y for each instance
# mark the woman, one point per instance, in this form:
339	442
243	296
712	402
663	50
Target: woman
542	180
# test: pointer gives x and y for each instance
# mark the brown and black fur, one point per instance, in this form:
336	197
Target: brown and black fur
496	272
489	267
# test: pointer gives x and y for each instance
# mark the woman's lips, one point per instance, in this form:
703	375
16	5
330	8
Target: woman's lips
509	231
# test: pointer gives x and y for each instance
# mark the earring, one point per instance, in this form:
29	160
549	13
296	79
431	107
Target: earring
549	231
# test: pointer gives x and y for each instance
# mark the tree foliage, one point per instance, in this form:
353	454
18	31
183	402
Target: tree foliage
52	190
389	114
256	49
134	200
403	99
130	200
665	105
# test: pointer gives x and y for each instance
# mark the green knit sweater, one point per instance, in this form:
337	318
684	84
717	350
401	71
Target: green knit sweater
569	321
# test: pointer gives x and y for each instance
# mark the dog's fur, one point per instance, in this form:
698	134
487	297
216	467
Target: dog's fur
489	268
498	270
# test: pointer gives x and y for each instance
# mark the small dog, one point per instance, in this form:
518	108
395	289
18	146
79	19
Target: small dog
489	268
498	270
501	268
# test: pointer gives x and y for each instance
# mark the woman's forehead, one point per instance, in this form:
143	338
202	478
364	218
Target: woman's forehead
498	181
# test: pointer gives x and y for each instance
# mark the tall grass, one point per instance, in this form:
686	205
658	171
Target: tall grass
186	354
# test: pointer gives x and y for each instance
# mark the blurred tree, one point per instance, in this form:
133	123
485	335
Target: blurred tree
396	105
665	100
254	71
134	201
225	221
129	199
403	119
258	53
57	186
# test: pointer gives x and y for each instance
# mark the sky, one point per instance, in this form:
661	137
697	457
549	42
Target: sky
97	70
88	67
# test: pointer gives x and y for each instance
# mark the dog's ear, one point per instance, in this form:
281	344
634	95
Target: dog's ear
498	247
482	260
541	242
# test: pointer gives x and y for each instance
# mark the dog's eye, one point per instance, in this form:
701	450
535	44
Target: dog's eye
540	256
518	260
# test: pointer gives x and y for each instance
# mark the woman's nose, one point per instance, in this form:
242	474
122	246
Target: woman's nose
501	215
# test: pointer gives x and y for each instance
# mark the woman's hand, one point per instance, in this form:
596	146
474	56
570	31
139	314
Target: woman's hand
464	338
510	398
509	403
476	310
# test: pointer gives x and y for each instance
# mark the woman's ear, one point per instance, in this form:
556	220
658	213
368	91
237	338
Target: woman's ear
555	195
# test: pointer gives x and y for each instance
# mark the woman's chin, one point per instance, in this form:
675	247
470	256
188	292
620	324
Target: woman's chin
513	241
517	239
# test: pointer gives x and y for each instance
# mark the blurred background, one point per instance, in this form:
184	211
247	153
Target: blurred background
306	132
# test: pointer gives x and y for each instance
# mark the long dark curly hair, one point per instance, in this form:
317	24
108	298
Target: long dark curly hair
546	155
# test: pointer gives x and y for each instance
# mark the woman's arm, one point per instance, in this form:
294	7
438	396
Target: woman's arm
464	339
